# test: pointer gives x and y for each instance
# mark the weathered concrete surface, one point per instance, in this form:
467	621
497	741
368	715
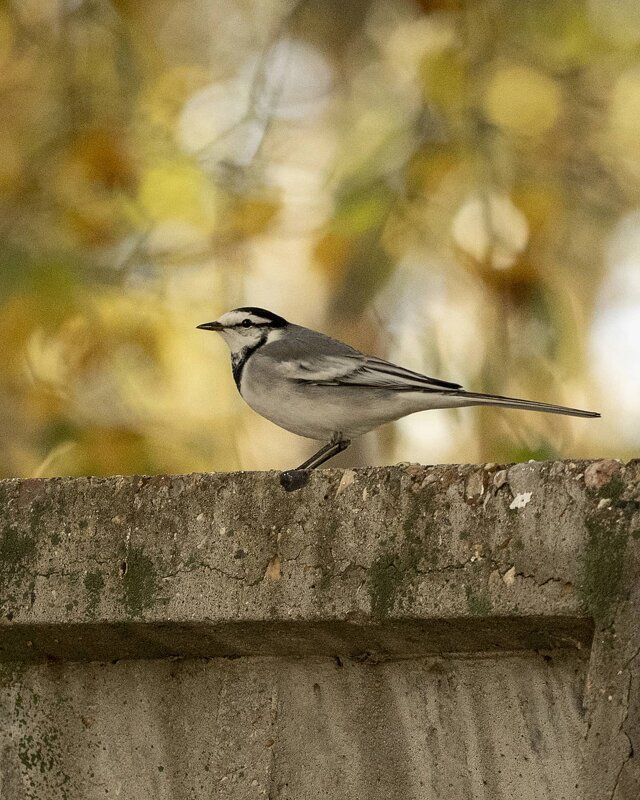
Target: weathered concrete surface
295	729
376	550
468	632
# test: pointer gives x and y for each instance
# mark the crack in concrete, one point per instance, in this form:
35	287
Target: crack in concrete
630	660
621	729
195	566
546	581
66	573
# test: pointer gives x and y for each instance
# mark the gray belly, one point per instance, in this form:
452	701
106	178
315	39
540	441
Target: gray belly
320	412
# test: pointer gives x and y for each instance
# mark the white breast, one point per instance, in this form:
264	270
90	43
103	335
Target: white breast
281	401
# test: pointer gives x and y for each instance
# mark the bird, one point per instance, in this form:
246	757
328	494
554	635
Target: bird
320	388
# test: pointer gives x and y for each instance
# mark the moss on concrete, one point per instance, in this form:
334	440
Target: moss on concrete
17	551
140	582
94	584
602	562
38	744
39	510
393	574
478	603
613	488
384	582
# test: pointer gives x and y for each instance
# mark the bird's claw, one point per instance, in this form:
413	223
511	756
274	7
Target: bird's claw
293	479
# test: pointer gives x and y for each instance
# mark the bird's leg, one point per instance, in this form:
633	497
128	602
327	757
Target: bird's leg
294	479
329	450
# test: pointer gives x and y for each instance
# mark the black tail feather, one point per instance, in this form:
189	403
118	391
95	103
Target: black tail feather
525	405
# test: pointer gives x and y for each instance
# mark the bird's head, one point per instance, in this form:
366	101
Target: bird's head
247	328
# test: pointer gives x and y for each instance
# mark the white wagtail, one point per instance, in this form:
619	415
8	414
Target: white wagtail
317	387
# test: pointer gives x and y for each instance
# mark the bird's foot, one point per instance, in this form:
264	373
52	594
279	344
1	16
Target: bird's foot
293	479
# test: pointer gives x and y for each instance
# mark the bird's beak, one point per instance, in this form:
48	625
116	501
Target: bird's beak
211	326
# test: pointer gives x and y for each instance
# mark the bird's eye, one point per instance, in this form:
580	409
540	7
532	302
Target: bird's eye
246	323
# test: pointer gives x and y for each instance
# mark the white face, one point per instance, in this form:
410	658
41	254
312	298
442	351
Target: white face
244	329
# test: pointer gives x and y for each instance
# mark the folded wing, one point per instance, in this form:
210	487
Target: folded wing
358	370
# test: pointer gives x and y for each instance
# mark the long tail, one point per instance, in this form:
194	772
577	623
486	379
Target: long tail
525	405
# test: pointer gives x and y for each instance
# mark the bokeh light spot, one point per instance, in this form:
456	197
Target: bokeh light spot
490	229
522	100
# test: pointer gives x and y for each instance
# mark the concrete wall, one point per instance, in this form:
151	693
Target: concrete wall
443	632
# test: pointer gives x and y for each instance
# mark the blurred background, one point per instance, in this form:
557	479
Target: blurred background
451	185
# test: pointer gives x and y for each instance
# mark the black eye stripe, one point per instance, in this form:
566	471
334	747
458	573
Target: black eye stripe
249	323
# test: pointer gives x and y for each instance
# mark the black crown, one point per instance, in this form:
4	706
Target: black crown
274	320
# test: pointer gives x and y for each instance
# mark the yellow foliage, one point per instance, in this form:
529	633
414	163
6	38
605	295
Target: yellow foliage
163	99
90	179
6	37
523	100
11	164
449	168
445	79
542	204
625	115
331	252
361	212
247	216
178	190
429	166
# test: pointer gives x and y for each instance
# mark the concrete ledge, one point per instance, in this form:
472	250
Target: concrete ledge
373	643
360	569
227	553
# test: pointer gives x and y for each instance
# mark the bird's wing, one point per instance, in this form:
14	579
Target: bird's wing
313	358
325	370
359	370
384	373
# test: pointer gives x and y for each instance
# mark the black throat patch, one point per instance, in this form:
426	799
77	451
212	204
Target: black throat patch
239	359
